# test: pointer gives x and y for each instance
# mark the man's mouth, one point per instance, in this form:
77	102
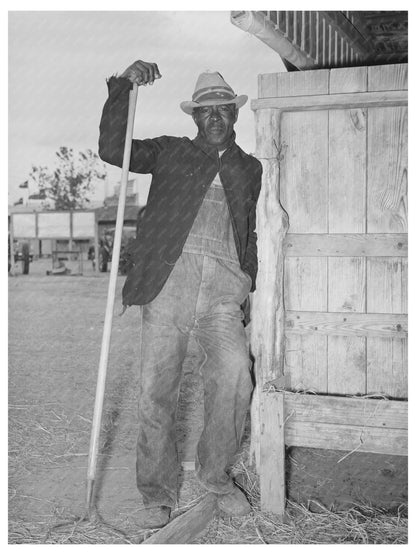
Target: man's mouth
216	129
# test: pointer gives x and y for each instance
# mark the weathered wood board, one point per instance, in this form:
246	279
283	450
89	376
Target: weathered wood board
341	144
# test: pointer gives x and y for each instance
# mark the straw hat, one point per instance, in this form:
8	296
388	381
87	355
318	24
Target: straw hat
211	89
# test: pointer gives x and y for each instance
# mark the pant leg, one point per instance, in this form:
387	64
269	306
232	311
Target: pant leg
227	391
163	350
164	339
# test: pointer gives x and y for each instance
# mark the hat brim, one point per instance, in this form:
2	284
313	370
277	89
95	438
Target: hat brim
188	106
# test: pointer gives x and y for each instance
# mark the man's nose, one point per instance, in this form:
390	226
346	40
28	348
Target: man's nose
215	113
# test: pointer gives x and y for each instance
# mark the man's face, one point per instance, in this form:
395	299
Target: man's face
216	123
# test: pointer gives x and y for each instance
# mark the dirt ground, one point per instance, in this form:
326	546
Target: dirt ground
55	328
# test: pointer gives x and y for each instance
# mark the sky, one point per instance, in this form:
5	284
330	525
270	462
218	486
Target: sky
59	62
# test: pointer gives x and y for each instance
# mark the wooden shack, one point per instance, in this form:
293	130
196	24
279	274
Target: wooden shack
329	332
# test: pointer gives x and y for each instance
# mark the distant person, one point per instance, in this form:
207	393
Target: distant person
192	267
91	256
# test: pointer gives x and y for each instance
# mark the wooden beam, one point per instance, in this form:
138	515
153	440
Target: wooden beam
188	526
380	99
346	437
352	411
258	25
346	323
346	244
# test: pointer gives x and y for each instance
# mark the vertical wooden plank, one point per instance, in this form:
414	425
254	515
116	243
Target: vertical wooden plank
386	367
388	77
346	284
272	469
348	80
387	212
347	214
387	170
346	355
347	365
267	85
387	358
306	362
347	171
305	288
305	283
304	168
387	285
303	83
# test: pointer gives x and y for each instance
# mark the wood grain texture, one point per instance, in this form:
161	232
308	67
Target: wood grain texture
188	526
342	101
306	362
379	413
347	213
347	365
388	77
346	284
347	171
348	80
346	244
272	473
348	324
305	284
267	336
387	362
303	83
387	357
387	285
268	143
304	168
347	438
387	171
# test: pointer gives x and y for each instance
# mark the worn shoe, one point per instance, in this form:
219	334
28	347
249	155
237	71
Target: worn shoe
152	517
234	503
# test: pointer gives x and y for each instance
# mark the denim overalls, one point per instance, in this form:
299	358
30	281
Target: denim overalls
202	298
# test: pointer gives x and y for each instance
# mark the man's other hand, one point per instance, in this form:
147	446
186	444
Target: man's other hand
142	73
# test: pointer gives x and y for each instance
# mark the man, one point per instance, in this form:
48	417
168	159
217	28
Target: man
192	267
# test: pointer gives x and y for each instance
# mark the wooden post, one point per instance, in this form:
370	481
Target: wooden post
272	452
267	335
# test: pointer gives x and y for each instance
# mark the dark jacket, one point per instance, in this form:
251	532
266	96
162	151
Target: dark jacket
182	171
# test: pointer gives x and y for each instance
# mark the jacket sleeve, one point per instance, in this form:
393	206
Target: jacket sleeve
144	153
251	253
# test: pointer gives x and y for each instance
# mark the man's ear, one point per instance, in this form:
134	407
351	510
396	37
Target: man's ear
236	115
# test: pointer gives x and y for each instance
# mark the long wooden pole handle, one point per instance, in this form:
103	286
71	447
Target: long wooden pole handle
106	339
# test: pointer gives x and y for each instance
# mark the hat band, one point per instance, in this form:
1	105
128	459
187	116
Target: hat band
213	93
